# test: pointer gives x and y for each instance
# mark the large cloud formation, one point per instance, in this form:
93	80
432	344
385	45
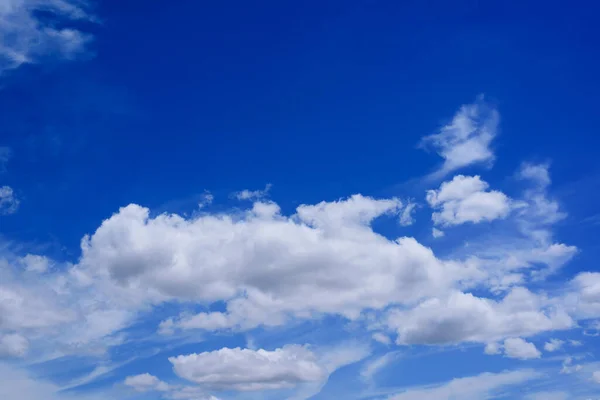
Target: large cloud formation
240	269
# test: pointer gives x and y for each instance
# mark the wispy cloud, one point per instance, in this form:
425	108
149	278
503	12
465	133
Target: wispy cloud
8	202
470	388
253	194
27	39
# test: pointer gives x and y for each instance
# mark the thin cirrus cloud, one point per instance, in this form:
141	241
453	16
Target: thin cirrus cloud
8	201
467	199
27	39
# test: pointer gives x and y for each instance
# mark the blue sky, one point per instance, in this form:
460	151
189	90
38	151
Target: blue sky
299	200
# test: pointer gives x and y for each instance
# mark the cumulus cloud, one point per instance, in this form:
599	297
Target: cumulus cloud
466	199
553	345
436	233
8	202
25	307
466	140
36	263
28	39
253	194
478	387
584	296
145	383
13	345
269	268
492	348
463	317
521	349
250	370
245	369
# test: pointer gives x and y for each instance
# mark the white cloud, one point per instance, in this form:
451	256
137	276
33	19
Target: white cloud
253	194
478	387
29	308
553	345
466	139
436	233
145	383
36	263
521	349
8	202
568	367
244	369
462	317
407	217
596	376
466	199
381	338
249	370
28	39
55	312
324	259
13	345
371	368
584	297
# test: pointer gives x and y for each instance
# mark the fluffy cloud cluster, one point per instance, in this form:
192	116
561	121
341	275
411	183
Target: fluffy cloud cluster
553	345
13	345
245	369
323	259
466	199
248	370
461	317
145	383
521	349
268	268
27	38
253	194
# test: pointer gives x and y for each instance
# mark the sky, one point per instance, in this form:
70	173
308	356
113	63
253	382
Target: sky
363	200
